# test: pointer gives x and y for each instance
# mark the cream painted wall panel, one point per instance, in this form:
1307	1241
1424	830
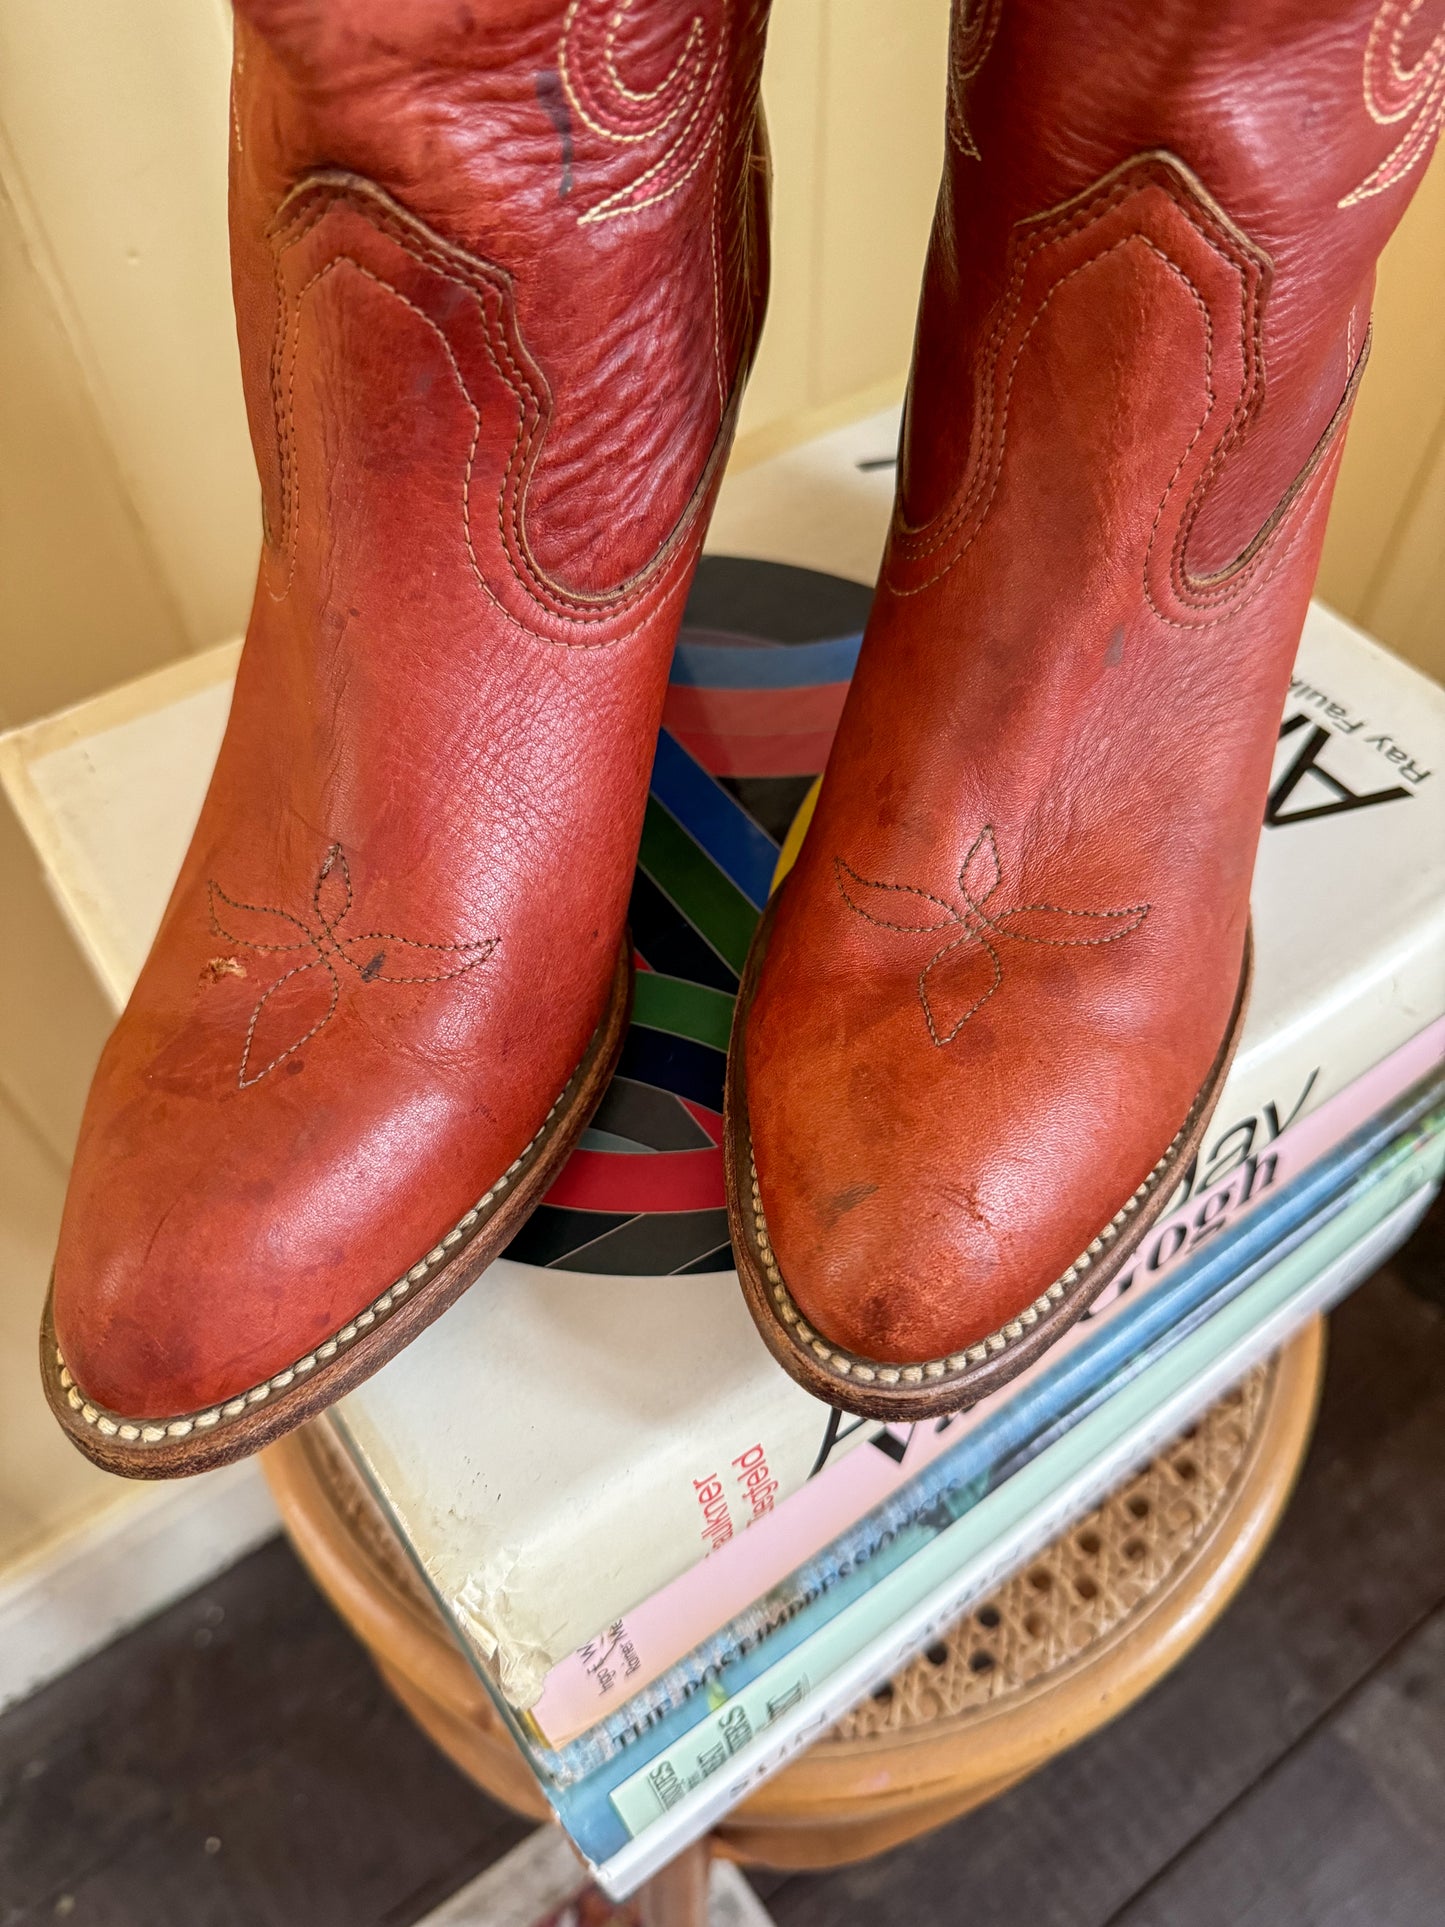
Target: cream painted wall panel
1409	603
792	77
85	603
884	80
45	1485
115	126
1398	416
53	1016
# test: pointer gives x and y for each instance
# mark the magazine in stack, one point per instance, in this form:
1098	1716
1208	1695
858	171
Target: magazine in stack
670	1564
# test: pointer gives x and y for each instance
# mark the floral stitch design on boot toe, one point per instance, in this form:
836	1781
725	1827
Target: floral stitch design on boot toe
376	957
961	976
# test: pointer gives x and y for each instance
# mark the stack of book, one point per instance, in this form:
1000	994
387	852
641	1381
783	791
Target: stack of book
673	1567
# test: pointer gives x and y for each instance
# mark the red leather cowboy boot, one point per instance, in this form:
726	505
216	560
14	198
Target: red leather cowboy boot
498	275
987	1016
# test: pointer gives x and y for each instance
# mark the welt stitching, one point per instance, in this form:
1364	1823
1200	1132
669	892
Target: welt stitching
849	1365
151	1432
996	457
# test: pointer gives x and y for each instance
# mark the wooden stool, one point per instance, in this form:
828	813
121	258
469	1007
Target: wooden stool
1056	1652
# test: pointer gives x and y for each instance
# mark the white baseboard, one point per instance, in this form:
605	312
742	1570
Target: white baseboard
151	1546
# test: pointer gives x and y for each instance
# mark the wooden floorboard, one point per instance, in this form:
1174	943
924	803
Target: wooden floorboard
236	1762
1348	1830
233	1763
1359	1562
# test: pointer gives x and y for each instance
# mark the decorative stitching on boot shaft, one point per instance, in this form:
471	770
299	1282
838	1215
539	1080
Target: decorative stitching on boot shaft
1394	92
644	592
376	956
974	25
980	930
601	99
920	555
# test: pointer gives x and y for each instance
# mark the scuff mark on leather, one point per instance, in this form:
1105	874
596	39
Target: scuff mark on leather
215	968
842	1202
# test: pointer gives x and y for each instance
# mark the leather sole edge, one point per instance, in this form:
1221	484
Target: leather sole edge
212	1437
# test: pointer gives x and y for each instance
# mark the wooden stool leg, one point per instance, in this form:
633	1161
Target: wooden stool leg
677	1896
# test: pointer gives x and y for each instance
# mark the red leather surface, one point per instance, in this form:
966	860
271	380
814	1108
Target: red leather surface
1005	962
498	275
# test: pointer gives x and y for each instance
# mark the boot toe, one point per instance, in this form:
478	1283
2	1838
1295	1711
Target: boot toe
921	1200
218	1237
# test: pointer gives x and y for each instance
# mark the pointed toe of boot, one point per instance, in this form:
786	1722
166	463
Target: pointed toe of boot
925	1204
239	1250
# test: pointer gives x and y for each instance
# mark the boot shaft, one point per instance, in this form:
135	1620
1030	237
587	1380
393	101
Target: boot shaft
1305	125
600	167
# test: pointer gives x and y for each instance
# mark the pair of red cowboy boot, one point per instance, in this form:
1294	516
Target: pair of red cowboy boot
498	279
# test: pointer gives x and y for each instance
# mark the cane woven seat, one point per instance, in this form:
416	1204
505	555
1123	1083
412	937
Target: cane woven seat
1086	1585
